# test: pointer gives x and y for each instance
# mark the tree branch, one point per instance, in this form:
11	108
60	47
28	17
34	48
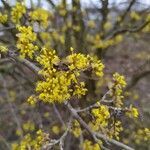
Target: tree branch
94	134
122	31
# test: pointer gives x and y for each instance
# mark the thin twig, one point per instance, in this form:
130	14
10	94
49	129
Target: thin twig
58	114
131	30
6	28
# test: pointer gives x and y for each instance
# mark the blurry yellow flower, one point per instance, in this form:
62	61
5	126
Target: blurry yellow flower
3	48
17	12
134	15
56	130
28	126
77	61
40	15
91	24
88	145
76	129
119	79
133	112
107	26
32	100
3	18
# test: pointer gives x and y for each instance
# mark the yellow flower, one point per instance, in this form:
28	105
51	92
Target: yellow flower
107	26
31	142
118	39
80	89
18	132
26	37
133	112
28	126
76	129
40	15
56	129
101	116
119	79
97	66
76	28
77	61
88	145
3	18
61	9
61	78
134	15
116	89
3	48
17	12
118	128
91	24
142	135
32	100
48	58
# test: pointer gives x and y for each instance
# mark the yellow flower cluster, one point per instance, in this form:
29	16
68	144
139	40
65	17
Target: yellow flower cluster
46	38
32	100
57	81
82	62
135	16
76	129
101	116
79	90
76	28
28	126
119	80
3	18
58	37
107	26
117	89
133	112
77	61
47	59
91	24
26	37
97	66
17	12
55	88
29	142
115	130
103	44
61	9
40	15
88	145
56	129
3	48
62	78
142	135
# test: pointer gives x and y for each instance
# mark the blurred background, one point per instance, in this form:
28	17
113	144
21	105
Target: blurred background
115	31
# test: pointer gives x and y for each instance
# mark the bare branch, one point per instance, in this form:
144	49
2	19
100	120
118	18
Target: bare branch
6	28
127	10
94	134
122	31
58	114
60	141
104	12
52	3
135	79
